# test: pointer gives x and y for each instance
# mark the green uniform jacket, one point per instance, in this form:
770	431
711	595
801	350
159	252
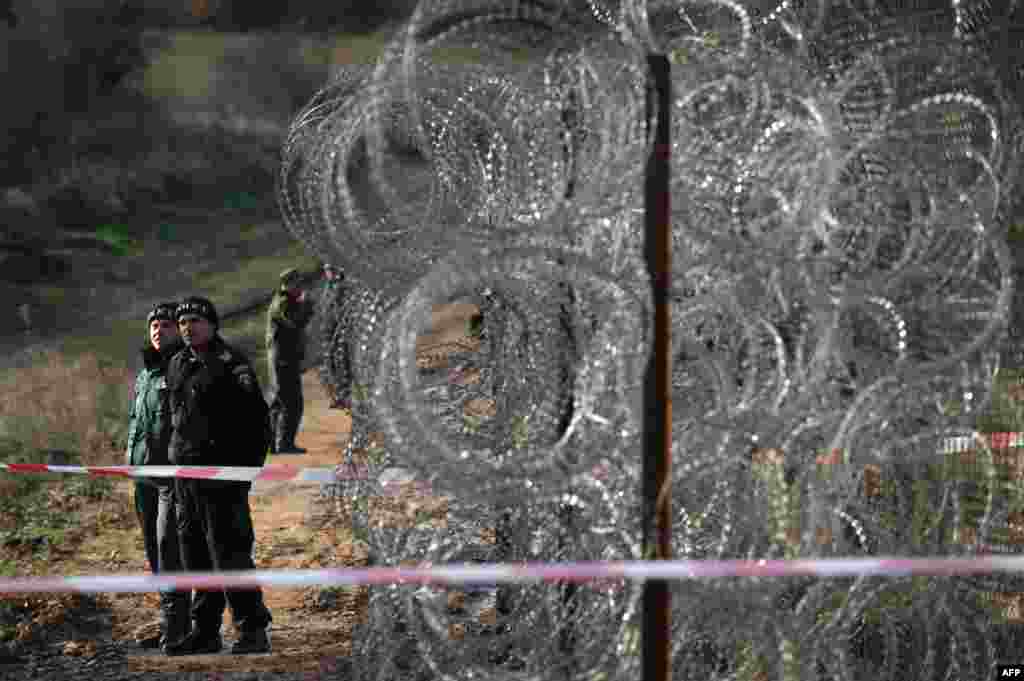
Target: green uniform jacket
286	328
149	418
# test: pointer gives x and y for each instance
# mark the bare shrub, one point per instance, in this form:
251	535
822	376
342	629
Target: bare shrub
8	488
80	405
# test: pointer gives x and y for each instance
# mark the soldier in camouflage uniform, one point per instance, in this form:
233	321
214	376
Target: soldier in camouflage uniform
287	319
149	430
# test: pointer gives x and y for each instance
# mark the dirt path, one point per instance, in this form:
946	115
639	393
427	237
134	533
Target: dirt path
303	633
312	627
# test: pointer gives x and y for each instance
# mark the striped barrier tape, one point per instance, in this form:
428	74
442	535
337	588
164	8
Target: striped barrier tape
392	480
285	472
963	443
493	574
274	472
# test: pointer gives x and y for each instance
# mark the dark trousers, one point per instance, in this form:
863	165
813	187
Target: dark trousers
156	509
286	404
215	531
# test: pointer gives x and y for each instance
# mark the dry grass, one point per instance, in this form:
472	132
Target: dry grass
79	405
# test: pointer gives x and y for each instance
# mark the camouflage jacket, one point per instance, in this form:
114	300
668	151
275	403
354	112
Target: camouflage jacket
149	423
286	328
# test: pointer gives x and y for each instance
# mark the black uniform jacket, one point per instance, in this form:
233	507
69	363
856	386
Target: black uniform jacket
212	401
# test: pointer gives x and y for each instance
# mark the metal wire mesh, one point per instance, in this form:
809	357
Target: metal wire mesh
843	181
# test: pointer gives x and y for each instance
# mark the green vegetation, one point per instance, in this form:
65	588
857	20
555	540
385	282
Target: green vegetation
344	49
119	339
784	501
37	526
246	332
241	201
375	454
117	342
184	69
520	431
76	406
118	237
29	519
187	67
49	294
471	424
1006	413
999	475
749	665
167	233
360	392
9	615
252	275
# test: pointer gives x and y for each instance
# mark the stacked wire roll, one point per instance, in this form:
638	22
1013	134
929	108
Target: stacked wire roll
327	317
842	185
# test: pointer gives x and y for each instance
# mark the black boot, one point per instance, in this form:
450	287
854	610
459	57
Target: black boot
252	642
177	620
286	435
197	642
285	440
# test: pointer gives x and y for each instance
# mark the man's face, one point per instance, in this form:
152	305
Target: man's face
162	333
196	331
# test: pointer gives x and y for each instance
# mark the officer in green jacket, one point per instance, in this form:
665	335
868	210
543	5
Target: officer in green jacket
149	430
287	318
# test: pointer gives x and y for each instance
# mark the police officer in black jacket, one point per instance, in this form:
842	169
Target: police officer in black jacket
213	393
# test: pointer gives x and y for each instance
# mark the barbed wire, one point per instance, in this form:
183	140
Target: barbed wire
841	192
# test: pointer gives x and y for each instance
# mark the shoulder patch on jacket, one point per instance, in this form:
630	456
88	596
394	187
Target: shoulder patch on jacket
245	376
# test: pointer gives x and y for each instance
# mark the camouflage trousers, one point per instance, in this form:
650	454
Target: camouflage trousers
286	402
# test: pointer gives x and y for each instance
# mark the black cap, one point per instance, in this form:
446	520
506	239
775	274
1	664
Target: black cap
165	311
199	306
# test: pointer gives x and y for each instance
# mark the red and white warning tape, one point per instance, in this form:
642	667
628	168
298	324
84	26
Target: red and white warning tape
964	443
492	574
285	472
275	472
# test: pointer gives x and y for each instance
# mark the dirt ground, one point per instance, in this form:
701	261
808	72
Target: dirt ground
302	632
312	627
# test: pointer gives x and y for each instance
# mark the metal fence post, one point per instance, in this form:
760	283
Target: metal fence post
657	419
